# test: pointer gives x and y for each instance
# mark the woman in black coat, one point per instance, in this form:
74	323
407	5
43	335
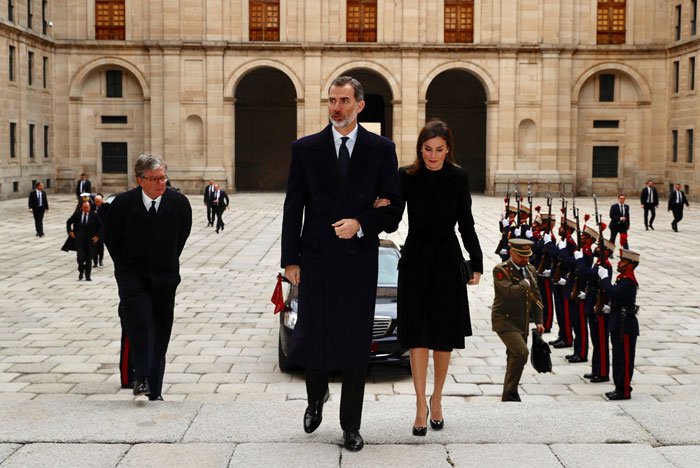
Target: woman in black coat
433	312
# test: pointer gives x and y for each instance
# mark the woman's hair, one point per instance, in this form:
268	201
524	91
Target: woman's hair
433	128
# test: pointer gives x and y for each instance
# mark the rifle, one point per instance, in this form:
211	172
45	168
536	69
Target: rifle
504	235
518	198
529	201
577	286
547	230
557	272
602	257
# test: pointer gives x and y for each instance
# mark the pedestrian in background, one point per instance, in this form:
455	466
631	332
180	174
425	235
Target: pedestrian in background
676	201
102	209
208	192
219	201
38	205
649	199
83	186
619	220
85	227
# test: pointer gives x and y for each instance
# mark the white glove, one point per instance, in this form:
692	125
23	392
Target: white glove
547	273
505	222
606	309
582	295
562	244
562	282
503	252
528	233
602	273
547	238
516	232
578	255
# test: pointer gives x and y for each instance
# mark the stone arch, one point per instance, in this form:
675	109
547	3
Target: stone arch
643	88
76	84
380	70
479	73
243	70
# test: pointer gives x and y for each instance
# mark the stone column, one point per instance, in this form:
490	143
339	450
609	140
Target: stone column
217	159
407	123
312	91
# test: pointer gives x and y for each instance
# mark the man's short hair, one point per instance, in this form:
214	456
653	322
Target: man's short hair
83	174
349	80
621	195
84	202
649	181
148	162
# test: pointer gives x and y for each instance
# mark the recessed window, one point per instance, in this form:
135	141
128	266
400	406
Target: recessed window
44	70
674	145
110	20
676	76
44	23
13	140
361	21
114	83
459	20
114	158
690	145
30	66
31	140
606	124
46	141
611	21
605	161
113	119
691	73
678	22
607	87
686	189
11	64
29	14
264	20
693	17
48	184
15	186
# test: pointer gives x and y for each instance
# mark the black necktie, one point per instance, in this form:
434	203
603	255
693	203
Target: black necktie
85	219
343	157
152	210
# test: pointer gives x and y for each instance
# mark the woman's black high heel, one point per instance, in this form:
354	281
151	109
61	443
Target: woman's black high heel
436	425
421	431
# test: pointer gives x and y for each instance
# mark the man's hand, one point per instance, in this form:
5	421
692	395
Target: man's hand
516	231
547	238
562	244
32	211
379	202
540	329
505	222
578	255
72	234
346	228
562	282
602	272
528	233
293	273
95	239
475	280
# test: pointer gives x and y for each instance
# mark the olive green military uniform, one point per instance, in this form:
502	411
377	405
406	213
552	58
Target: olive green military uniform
514	303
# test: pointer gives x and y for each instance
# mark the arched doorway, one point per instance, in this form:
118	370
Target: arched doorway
459	98
266	125
377	114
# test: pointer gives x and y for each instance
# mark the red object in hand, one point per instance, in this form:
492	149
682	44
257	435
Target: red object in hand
623	239
587	217
277	296
603	226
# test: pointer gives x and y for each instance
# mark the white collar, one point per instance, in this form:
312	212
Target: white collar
147	200
352	135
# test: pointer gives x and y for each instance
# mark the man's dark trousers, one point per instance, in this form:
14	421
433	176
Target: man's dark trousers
649	208
351	397
38	213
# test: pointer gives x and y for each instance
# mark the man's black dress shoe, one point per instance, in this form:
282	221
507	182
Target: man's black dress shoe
94	265
569	356
589	376
87	278
617	396
652	227
576	359
314	414
158	398
101	263
598	379
80	276
141	386
553	342
562	344
353	441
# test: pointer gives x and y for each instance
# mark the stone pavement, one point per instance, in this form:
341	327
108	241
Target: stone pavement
230	404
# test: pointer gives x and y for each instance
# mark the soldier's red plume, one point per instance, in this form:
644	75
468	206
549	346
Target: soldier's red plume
603	226
587	217
562	210
538	208
505	200
521	199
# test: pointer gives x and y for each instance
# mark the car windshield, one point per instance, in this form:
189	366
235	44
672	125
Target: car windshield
388	272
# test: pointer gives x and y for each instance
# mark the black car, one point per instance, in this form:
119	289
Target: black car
385	346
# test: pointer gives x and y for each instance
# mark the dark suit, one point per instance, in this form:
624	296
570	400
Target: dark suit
219	204
84	233
339	276
617	225
38	210
649	205
207	199
676	201
146	254
86	187
102	212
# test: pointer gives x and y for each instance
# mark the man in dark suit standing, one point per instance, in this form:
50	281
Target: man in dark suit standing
676	201
649	199
330	235
619	220
83	186
208	192
85	227
219	201
146	230
38	205
101	208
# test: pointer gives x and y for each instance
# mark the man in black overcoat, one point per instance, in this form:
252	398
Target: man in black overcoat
85	227
619	220
83	186
146	230
38	205
676	201
208	191
329	246
219	201
649	198
101	209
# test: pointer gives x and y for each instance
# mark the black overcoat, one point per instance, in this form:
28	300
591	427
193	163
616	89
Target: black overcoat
433	310
338	284
147	254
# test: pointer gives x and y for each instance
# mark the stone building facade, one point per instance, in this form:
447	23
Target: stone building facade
595	95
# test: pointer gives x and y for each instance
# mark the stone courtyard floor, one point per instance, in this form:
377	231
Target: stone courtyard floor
59	348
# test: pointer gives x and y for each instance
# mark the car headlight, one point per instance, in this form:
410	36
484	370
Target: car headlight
290	319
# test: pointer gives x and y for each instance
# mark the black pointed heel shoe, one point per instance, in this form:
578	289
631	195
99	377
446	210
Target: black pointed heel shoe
435	424
421	431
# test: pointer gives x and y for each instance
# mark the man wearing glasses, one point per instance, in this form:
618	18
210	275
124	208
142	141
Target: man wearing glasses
145	233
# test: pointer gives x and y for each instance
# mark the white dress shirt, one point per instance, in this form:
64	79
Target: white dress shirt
147	201
40	200
350	144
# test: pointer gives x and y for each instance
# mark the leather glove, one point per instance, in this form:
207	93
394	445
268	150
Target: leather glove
547	273
582	295
578	255
528	233
516	232
562	244
602	273
505	222
606	309
562	282
503	252
547	238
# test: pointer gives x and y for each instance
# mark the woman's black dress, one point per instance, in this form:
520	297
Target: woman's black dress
433	309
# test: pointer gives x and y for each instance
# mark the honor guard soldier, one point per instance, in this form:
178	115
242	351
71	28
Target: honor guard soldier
543	263
624	327
563	249
506	226
517	298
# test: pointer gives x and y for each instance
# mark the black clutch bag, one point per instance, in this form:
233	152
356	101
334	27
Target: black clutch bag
465	268
540	354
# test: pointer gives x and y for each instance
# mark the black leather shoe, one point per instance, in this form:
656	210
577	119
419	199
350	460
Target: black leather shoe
352	440
141	386
314	414
647	228
569	356
563	344
436	424
617	396
651	227
158	398
511	397
547	330
577	359
553	342
101	263
589	376
80	276
87	278
598	379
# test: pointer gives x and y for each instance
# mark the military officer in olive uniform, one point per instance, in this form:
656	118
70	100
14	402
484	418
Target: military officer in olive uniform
517	298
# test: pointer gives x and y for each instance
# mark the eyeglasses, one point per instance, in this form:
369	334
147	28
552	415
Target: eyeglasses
153	180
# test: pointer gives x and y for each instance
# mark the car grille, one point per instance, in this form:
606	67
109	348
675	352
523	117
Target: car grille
381	326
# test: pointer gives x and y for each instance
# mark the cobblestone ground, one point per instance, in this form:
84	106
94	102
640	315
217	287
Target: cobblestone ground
59	338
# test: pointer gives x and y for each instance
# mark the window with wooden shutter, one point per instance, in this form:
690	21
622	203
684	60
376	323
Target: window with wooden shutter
459	20
264	20
362	21
110	20
611	21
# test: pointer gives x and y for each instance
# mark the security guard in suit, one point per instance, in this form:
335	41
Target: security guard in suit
517	298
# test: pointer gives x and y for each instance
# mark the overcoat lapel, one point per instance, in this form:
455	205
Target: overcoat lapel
330	149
